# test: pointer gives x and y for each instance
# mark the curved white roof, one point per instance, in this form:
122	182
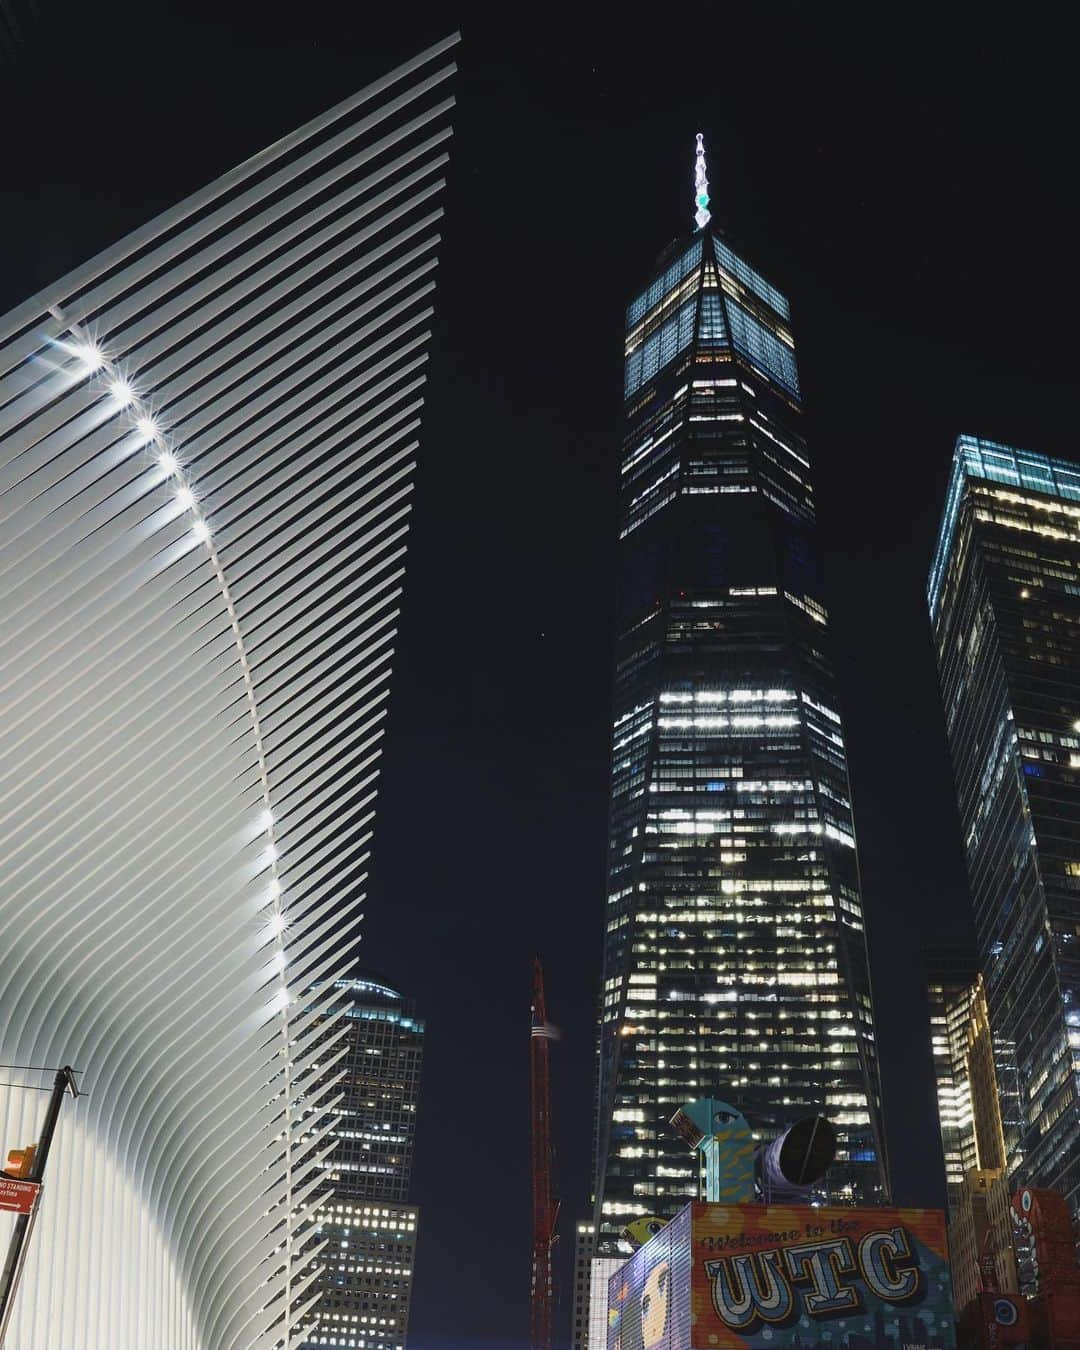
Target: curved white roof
207	436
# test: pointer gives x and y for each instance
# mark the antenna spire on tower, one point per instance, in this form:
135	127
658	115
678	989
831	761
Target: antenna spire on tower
702	214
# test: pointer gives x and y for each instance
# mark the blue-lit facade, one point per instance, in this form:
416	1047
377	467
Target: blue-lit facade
1004	599
735	950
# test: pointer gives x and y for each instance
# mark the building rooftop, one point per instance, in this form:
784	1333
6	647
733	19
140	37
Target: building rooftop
974	457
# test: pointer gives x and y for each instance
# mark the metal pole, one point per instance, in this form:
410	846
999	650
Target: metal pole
24	1223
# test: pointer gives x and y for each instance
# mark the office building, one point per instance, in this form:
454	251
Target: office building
950	978
591	1276
968	1067
735	953
584	1248
375	1125
992	1084
207	437
362	1212
981	1253
1004	600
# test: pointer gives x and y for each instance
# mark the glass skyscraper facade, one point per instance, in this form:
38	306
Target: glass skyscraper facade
735	953
363	1214
1004	598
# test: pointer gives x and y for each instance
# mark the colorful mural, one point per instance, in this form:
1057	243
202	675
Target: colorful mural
787	1277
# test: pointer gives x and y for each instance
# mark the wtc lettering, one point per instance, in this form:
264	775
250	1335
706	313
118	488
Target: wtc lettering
765	1287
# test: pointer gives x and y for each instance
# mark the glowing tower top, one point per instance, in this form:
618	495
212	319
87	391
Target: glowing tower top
702	214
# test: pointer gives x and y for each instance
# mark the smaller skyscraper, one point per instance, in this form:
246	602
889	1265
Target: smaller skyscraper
591	1276
981	1254
362	1214
991	1071
976	1080
584	1247
950	975
1004	599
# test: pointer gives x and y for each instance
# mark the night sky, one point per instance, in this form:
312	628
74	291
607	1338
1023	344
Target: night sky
906	178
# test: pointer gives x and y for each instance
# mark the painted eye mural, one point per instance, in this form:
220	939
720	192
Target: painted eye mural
654	1305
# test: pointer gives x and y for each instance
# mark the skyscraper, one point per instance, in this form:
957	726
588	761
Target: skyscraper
362	1213
589	1306
950	982
1004	599
975	1071
980	1236
735	955
992	1080
207	436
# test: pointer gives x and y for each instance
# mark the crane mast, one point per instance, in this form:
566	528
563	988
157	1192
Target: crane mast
545	1210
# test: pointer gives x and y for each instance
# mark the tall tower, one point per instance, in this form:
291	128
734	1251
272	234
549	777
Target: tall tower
735	956
1004	598
362	1210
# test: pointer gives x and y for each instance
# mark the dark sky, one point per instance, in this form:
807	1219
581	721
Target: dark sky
905	175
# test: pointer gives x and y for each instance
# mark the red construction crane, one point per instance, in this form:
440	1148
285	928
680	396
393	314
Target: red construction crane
545	1210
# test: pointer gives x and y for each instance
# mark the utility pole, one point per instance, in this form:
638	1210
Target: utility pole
24	1223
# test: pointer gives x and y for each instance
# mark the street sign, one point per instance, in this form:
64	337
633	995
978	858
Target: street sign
18	1197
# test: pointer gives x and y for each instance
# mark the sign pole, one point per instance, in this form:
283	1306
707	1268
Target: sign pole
24	1223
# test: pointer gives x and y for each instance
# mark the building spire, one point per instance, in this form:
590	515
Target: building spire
702	214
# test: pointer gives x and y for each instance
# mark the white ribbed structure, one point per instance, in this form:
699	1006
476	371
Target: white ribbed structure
206	441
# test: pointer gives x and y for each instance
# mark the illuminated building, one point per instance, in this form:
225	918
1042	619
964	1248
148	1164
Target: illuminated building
584	1245
735	955
950	976
371	1258
591	1276
1004	599
376	1121
980	1236
968	1067
364	1218
207	436
992	1083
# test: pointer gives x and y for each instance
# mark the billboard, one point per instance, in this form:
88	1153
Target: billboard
649	1296
787	1277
